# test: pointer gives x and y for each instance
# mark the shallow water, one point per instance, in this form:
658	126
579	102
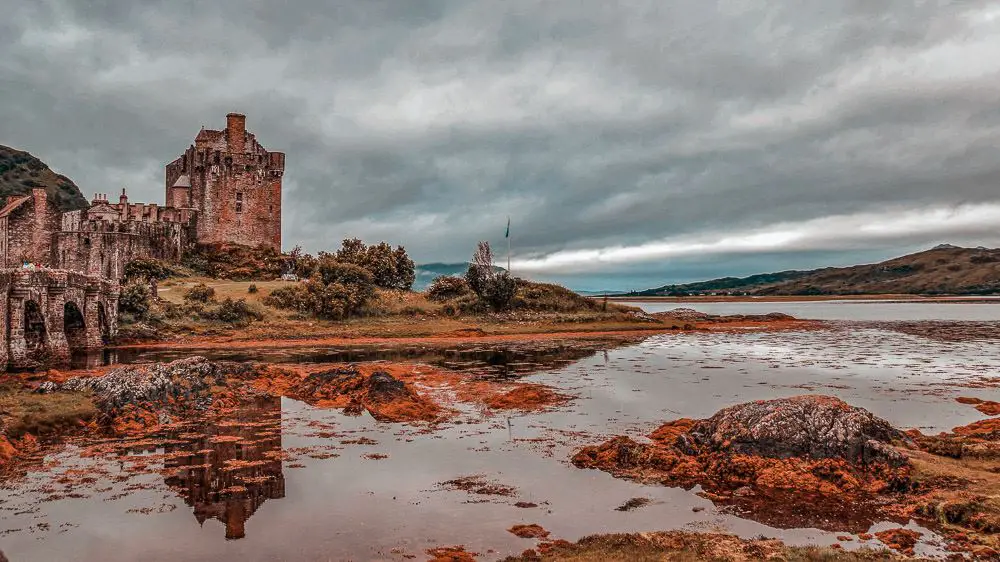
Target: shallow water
861	310
329	501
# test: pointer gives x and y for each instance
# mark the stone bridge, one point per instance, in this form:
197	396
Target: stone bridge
47	314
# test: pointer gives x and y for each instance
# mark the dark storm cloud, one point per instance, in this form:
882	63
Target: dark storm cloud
615	134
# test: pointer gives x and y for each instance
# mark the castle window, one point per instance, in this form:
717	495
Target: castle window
239	201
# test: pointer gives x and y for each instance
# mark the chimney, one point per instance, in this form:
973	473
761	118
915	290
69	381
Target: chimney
40	197
236	128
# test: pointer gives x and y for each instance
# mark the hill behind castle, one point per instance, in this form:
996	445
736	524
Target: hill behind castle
20	172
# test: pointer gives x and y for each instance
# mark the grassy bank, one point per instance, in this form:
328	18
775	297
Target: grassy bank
392	314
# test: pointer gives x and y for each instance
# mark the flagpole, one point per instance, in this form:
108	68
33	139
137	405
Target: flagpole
508	245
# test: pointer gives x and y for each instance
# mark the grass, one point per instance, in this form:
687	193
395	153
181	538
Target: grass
24	411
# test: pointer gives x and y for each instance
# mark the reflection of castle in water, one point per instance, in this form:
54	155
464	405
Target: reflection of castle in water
233	466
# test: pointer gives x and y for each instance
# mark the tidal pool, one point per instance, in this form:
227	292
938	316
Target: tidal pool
314	484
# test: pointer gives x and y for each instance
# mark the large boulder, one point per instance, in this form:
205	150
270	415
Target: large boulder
817	427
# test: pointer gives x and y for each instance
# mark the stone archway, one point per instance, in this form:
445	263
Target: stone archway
74	326
35	331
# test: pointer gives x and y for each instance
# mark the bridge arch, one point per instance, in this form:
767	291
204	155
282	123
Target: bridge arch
46	314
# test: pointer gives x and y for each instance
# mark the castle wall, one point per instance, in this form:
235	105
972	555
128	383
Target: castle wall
98	247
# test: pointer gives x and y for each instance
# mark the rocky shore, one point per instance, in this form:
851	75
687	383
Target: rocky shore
817	460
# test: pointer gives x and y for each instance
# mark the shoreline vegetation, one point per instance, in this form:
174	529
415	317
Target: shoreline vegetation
237	296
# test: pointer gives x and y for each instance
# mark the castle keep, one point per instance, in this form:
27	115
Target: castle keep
224	189
232	183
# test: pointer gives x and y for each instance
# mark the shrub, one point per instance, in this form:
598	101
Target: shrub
495	288
332	271
293	297
135	299
145	269
237	312
200	293
252	289
234	261
347	293
446	287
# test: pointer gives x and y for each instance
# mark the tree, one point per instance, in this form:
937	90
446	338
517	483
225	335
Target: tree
390	268
494	286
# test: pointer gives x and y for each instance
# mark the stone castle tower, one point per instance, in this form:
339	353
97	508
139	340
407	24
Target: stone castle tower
233	183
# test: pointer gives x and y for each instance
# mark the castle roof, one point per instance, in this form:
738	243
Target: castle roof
13	204
183	181
209	135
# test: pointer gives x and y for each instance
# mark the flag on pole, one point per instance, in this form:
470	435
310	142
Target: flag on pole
507	234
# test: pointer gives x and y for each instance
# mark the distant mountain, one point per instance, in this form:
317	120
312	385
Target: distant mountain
427	272
724	284
20	172
942	270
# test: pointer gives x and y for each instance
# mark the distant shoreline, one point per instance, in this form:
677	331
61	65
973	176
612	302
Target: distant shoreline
816	298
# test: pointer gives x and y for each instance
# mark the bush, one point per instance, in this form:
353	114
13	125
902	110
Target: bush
495	288
344	291
293	297
252	289
236	262
200	293
333	271
135	299
237	312
145	269
446	288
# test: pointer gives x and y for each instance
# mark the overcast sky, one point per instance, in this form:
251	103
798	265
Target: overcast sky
632	143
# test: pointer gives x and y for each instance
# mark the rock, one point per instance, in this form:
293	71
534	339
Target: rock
188	380
384	396
532	531
817	427
384	387
902	540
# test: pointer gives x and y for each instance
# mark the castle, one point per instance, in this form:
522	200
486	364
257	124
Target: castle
225	188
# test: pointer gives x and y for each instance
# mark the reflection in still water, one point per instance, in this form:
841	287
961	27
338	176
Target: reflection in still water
232	466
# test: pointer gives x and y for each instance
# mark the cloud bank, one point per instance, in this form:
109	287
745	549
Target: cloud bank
618	136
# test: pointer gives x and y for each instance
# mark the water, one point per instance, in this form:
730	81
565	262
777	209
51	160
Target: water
313	490
860	310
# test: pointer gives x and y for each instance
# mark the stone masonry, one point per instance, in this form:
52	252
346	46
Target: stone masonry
233	184
47	314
